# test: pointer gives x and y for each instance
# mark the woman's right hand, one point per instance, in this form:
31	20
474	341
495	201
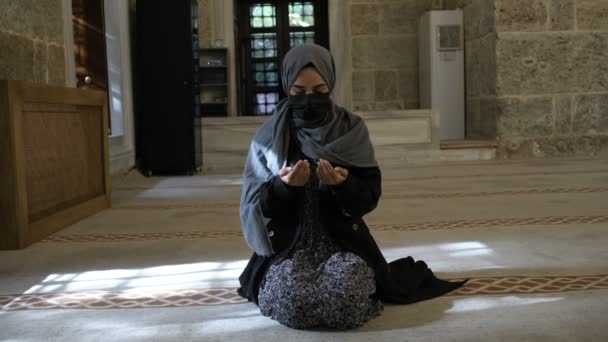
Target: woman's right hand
297	175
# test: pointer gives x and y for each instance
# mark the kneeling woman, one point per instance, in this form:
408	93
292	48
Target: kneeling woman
309	178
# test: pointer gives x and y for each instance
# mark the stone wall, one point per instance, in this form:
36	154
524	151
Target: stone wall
552	77
385	53
32	41
537	75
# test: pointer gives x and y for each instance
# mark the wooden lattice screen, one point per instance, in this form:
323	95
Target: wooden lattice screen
54	159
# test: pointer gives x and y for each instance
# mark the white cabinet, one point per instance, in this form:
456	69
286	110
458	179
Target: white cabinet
441	73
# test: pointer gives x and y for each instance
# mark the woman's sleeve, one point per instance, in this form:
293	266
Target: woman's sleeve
360	192
276	198
277	204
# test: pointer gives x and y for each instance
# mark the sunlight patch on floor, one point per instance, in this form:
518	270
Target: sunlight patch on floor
447	257
476	304
182	276
182	193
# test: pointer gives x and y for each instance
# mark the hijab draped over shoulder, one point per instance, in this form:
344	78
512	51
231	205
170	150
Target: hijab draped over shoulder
341	138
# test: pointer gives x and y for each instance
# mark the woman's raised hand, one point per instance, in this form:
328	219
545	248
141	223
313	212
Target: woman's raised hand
297	175
331	175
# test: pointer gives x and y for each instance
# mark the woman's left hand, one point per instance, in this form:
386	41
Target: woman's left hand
331	175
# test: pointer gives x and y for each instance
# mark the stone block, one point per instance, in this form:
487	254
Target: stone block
554	147
486	65
542	63
402	17
563	114
562	15
514	148
472	66
364	19
35	19
40	62
472	122
590	114
558	147
521	15
527	117
56	65
12	18
518	148
385	84
526	64
471	16
591	145
480	60
363	85
588	61
377	106
479	19
487	118
411	104
592	14
407	82
487	23
16	58
454	4
51	13
385	52
360	106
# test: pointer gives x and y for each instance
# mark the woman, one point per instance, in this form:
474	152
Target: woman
309	178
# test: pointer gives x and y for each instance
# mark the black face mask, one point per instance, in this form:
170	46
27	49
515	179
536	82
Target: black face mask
310	107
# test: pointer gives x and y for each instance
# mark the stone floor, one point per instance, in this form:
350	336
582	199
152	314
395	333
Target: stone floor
162	264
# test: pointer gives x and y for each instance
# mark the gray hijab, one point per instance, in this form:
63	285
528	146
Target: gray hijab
342	139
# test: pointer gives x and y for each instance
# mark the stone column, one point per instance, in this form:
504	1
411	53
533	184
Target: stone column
340	47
